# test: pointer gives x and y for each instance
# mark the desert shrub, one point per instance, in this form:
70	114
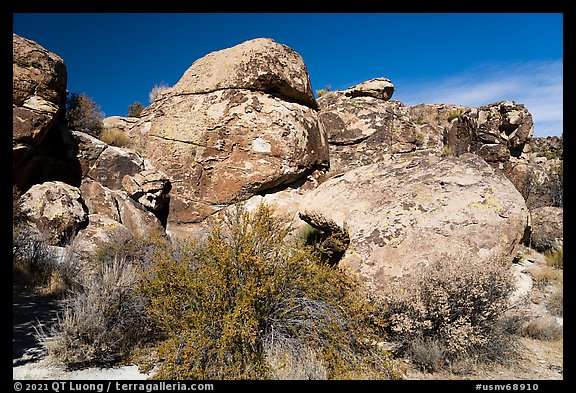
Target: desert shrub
244	304
156	91
135	109
555	303
103	320
35	264
115	137
328	246
543	328
83	114
455	302
556	186
427	353
455	114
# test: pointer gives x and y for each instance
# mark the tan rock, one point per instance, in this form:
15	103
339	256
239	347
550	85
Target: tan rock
239	122
259	65
56	209
547	228
410	211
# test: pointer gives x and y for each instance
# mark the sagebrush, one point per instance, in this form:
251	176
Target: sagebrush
104	318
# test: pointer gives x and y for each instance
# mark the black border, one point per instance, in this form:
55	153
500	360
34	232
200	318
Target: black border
169	6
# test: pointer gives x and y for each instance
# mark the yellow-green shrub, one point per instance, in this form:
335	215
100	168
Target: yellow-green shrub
243	303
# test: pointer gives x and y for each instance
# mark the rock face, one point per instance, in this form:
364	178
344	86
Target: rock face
240	121
38	94
122	169
547	228
495	131
56	209
406	212
362	128
258	65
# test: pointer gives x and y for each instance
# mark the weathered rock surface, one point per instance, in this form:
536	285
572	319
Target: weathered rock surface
539	180
240	121
39	76
122	169
409	211
38	93
100	233
362	129
150	188
547	228
258	65
56	209
495	131
120	122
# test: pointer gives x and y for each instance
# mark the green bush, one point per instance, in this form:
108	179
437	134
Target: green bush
244	304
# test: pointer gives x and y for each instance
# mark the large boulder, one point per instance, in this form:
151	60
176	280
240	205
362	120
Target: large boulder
56	209
101	233
240	121
118	206
38	94
406	212
39	76
380	88
259	65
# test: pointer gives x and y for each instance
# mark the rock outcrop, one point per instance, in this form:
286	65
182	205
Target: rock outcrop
362	126
495	132
240	121
122	169
242	124
402	213
56	210
38	96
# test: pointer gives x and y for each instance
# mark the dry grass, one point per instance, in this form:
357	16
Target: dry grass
427	353
555	303
115	137
543	328
555	258
545	275
103	321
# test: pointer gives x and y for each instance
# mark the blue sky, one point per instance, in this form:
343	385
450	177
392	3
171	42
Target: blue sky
468	59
